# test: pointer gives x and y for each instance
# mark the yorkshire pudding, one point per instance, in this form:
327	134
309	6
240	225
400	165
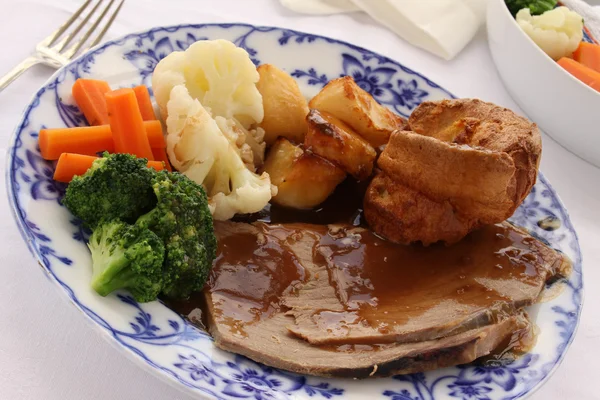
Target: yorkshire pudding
461	164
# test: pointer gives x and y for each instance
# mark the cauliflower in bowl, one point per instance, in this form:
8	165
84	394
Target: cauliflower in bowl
199	149
212	107
557	32
217	73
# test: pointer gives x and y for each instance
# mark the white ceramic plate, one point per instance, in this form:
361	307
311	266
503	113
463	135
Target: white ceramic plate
157	338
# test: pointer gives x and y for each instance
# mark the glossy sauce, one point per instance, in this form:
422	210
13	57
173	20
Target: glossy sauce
379	283
382	284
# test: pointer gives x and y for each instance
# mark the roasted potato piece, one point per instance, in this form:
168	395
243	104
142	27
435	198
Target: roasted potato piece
303	179
344	99
335	141
285	107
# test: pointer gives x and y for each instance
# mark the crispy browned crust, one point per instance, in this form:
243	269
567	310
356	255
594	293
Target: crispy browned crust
337	142
345	100
480	124
404	215
459	165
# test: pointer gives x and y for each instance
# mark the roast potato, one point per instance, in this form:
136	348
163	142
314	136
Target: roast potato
285	107
344	99
303	180
337	142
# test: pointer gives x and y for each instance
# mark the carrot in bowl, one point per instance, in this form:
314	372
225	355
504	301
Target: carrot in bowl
90	140
144	102
581	72
588	54
126	124
161	155
89	96
70	165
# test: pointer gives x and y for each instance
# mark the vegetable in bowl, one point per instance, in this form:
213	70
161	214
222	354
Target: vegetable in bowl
152	231
557	32
536	7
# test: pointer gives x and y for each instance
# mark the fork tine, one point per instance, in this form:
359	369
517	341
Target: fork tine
106	27
75	48
56	34
63	43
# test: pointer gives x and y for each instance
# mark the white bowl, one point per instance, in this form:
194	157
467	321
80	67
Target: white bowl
563	107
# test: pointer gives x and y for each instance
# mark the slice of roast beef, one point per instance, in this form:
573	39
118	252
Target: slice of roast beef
373	291
266	275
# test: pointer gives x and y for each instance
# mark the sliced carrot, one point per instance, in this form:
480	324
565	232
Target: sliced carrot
126	124
157	165
161	155
588	54
155	134
90	140
89	96
70	165
581	72
144	102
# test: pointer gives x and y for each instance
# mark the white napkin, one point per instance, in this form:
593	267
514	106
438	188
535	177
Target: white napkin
442	27
590	14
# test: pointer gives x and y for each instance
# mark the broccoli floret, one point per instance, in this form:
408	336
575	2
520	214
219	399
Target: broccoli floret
183	221
127	257
536	7
117	186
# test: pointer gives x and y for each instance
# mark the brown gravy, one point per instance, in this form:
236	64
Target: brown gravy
379	283
382	284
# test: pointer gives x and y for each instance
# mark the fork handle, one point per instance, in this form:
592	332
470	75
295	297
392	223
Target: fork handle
17	71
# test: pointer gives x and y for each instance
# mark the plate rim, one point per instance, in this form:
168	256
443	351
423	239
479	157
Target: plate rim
136	357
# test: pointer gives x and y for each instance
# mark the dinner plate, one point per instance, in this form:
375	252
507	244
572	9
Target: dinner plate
157	338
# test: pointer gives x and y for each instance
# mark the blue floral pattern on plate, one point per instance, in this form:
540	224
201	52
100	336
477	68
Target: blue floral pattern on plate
154	335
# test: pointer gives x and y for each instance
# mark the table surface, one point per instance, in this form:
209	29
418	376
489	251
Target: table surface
48	351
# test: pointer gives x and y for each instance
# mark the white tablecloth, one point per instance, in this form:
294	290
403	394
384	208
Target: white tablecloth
48	351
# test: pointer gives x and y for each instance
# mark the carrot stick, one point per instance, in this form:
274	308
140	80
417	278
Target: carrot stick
90	140
588	54
161	155
126	124
155	134
70	164
144	103
89	96
581	72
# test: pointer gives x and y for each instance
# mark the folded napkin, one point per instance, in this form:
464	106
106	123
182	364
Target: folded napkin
442	27
591	17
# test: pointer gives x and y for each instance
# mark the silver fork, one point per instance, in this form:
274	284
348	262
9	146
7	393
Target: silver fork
54	52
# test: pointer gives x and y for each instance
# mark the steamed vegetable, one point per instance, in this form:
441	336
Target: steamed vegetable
223	79
588	54
581	72
71	165
160	155
198	148
536	7
218	74
126	257
89	96
126	124
117	186
90	140
183	221
557	32
144	102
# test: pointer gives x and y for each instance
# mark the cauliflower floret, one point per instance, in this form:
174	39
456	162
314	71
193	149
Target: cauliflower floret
217	73
223	78
558	32
199	149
